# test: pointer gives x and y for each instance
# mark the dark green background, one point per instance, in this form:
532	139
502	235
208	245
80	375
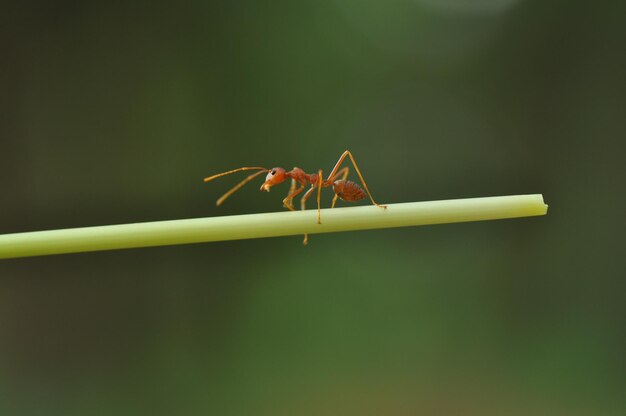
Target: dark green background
114	113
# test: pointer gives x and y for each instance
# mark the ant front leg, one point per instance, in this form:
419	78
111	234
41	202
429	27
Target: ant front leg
333	173
287	202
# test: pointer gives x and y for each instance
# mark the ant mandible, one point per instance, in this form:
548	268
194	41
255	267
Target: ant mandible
344	189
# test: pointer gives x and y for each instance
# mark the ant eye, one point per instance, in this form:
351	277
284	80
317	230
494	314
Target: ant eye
274	172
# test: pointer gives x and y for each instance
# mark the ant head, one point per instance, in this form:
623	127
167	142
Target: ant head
274	177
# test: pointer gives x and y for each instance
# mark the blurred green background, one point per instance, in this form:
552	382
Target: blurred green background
113	113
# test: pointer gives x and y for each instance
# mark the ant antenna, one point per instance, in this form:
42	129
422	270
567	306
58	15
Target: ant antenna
240	184
210	178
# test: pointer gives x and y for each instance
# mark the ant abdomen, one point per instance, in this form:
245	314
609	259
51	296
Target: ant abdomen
348	190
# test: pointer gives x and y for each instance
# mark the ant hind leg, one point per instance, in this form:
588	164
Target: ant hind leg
336	168
343	172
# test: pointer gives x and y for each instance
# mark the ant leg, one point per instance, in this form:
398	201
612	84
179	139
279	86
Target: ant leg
320	178
336	168
292	188
287	201
303	207
343	172
305	197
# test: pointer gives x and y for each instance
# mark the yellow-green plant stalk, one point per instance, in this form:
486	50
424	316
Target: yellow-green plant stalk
199	230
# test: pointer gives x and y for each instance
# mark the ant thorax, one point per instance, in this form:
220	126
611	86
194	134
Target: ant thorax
302	177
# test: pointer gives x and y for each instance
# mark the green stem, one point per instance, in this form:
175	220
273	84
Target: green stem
198	230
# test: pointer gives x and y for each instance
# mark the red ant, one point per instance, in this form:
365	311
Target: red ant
344	189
